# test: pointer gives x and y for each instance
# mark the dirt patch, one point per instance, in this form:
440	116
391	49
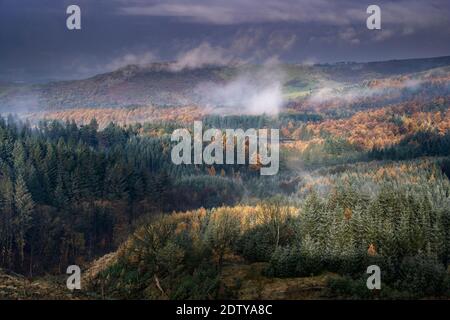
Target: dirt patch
247	281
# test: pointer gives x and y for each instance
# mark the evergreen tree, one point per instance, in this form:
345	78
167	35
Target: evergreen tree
24	206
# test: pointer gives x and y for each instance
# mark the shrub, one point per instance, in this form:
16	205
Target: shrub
291	262
309	265
202	284
422	276
254	244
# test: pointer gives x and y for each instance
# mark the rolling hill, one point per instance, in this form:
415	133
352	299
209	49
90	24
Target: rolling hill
158	85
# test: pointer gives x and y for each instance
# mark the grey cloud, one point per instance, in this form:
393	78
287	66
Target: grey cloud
281	40
241	11
248	45
421	14
196	32
203	55
349	35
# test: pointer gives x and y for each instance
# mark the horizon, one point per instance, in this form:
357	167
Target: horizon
48	81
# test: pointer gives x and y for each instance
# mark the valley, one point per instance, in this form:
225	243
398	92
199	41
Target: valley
86	178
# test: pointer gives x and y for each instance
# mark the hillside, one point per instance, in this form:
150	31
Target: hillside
158	85
363	179
270	251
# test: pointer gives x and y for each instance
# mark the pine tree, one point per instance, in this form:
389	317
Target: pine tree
18	156
6	218
24	206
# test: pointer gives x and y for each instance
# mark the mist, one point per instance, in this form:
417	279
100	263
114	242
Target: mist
203	55
330	92
20	103
252	92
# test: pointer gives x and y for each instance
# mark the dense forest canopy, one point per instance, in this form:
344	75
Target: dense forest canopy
364	179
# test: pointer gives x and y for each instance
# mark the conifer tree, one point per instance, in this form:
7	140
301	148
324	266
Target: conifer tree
24	206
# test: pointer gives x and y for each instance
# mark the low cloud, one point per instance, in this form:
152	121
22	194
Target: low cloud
253	92
332	93
20	103
140	59
203	55
348	95
249	45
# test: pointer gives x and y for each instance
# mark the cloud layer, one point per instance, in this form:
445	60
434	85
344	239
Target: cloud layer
198	32
339	13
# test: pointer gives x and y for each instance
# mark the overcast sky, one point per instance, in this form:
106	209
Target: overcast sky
35	44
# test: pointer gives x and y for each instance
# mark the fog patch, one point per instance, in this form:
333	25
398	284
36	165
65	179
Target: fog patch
252	92
140	59
330	92
20	102
203	55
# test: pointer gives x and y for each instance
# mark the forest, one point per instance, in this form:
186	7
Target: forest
70	193
363	180
396	217
73	193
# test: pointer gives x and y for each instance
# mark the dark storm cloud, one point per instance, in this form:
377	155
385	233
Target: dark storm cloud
35	44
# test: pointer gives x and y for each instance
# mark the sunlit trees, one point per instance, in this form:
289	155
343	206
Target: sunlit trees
221	234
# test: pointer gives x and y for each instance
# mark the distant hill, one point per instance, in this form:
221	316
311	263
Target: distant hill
157	85
355	72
